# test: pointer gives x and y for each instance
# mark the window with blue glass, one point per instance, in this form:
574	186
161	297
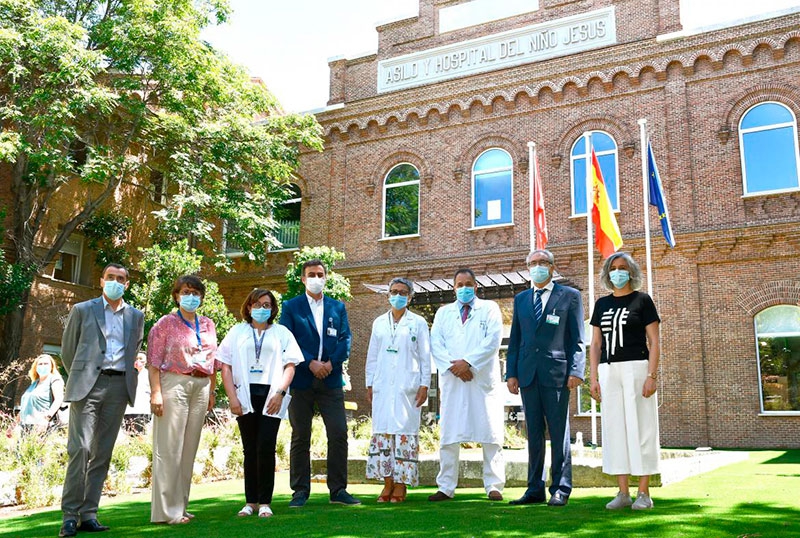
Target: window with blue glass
606	150
491	189
401	201
768	145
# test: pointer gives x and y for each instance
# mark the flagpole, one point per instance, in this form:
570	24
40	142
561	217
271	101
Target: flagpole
587	142
531	205
646	203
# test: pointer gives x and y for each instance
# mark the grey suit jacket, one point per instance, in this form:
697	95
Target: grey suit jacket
83	347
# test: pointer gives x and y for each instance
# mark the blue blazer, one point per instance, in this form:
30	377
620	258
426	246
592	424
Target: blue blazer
297	317
547	352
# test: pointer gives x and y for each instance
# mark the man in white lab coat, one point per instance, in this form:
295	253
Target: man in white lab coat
465	341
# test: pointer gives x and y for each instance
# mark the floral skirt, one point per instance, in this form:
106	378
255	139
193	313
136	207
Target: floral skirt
395	456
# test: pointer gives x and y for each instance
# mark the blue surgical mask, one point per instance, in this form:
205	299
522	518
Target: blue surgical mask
619	277
113	290
190	302
465	294
398	302
540	273
43	369
260	315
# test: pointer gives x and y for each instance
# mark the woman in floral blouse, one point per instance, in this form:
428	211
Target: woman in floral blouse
181	352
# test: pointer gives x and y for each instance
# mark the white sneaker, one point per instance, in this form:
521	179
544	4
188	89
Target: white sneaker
642	502
622	500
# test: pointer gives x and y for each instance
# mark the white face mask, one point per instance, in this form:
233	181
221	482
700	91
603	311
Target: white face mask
315	285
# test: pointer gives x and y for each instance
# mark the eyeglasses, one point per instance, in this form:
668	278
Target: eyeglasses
404	293
191	292
265	304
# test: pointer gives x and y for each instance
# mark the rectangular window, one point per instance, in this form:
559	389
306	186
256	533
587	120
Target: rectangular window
68	263
779	357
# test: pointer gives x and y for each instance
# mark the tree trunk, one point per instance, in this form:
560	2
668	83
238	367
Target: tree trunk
10	366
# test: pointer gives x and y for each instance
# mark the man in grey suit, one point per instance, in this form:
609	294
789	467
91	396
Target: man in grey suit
546	359
99	348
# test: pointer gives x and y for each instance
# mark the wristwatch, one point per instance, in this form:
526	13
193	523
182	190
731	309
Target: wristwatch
653	375
281	392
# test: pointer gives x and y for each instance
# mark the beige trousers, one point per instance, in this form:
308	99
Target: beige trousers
176	436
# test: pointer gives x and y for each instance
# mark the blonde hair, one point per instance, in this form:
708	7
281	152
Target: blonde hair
34	375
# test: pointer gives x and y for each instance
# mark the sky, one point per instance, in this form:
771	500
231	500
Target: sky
288	42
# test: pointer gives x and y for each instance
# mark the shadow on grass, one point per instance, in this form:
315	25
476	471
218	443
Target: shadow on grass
470	514
788	457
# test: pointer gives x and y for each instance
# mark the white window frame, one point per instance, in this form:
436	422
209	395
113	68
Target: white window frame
758	361
573	158
298	200
510	169
742	132
416	182
74	247
233	253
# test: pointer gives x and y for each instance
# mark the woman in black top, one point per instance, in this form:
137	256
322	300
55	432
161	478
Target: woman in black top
623	370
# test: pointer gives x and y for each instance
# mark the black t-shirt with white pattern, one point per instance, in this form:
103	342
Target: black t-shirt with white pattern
622	320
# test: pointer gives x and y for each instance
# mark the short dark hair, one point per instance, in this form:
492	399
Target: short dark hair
193	281
251	299
116	266
464	271
313	263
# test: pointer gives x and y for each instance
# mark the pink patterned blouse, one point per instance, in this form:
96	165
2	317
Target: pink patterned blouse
172	345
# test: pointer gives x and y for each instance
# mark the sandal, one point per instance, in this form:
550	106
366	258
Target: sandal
398	493
264	511
187	514
247	510
178	521
384	498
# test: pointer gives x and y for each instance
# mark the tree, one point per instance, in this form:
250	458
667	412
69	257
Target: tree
336	286
97	93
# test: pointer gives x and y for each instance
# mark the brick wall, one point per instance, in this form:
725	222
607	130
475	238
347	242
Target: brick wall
693	90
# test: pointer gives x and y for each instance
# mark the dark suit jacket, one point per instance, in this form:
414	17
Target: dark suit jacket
83	347
297	317
546	352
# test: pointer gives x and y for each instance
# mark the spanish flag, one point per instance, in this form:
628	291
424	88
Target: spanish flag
606	232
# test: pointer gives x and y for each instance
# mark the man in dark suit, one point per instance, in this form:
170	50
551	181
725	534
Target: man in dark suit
320	326
99	347
546	359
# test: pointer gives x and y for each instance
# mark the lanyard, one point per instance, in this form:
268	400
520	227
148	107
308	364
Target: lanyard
259	342
393	325
196	327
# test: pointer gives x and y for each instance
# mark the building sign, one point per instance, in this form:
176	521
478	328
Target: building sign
538	42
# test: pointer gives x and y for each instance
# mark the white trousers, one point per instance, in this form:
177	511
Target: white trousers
629	420
176	436
494	468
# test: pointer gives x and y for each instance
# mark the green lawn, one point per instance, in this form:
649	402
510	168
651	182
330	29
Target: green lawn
756	498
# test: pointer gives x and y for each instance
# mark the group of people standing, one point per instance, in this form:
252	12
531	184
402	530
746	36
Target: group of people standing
292	368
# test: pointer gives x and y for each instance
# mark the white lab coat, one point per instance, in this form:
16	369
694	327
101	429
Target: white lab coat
395	378
278	349
471	411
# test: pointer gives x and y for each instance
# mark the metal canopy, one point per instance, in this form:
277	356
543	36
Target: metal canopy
491	286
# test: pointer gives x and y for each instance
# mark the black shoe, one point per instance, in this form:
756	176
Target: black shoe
342	497
558	499
92	525
69	528
298	500
528	499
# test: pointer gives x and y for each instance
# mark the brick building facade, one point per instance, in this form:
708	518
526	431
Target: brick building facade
737	244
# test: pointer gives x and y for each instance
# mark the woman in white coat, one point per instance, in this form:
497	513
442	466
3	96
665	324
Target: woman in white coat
398	375
258	359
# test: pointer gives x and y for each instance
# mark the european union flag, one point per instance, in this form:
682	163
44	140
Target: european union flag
657	196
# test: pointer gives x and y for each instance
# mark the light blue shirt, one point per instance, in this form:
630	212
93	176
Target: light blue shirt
115	337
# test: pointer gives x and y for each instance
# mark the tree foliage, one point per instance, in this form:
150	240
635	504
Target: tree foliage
337	286
95	94
107	235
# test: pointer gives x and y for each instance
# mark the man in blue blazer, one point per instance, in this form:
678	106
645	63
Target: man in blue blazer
546	359
320	326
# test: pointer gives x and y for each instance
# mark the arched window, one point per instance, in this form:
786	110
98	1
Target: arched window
401	201
288	217
778	349
768	145
492	182
606	150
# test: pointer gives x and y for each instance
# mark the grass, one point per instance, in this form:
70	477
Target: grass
759	497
